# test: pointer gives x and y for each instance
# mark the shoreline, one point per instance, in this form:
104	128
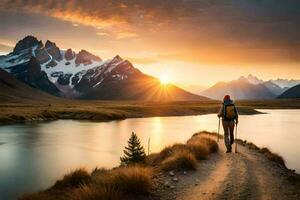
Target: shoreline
27	112
107	111
187	182
101	112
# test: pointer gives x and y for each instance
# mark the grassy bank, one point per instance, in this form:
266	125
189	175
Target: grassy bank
104	110
271	104
266	152
131	182
114	110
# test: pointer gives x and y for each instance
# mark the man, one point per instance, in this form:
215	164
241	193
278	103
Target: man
229	115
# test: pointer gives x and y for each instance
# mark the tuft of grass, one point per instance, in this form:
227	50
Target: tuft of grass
272	156
36	196
133	180
207	133
211	144
199	150
167	152
183	159
205	139
252	146
112	184
95	192
73	179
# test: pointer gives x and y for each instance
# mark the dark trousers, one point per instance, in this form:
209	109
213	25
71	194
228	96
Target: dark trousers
228	127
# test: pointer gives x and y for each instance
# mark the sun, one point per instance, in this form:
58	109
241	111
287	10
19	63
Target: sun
164	79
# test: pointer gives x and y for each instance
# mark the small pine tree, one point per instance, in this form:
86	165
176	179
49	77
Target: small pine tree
134	152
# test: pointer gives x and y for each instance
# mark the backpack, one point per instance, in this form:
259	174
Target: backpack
229	112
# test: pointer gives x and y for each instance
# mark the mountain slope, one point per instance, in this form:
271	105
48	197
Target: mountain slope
13	90
84	75
239	89
274	88
292	93
286	83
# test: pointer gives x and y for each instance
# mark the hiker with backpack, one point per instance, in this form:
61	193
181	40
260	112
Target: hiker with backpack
229	115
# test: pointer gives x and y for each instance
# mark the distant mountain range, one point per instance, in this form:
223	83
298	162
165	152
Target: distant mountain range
292	93
250	87
83	75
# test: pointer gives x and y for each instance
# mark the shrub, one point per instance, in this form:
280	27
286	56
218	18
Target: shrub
183	159
73	179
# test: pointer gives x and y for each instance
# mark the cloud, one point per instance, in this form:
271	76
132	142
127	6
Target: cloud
239	31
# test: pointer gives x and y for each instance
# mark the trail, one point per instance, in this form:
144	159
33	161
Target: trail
243	175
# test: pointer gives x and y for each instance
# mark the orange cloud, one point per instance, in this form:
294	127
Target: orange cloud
196	31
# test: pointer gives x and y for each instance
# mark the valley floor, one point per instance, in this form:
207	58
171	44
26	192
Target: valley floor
243	175
28	111
104	110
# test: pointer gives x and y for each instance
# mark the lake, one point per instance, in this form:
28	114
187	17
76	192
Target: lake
33	156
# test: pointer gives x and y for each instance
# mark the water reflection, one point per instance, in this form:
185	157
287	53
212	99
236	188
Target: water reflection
33	156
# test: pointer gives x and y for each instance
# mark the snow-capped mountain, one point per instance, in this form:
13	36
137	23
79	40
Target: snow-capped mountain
83	75
277	87
253	79
286	83
249	87
238	89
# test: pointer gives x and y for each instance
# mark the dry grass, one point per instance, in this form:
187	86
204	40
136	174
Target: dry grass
205	139
185	156
272	156
133	180
252	146
104	110
104	184
183	159
73	179
165	153
199	150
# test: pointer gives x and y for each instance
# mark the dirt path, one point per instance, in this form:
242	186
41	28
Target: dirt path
244	175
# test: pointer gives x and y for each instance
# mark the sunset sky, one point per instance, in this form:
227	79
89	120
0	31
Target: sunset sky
194	42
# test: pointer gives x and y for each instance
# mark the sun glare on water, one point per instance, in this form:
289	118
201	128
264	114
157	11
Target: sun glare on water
164	79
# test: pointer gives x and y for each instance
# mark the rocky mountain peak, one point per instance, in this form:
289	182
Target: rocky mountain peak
49	44
53	50
117	59
254	80
27	42
69	54
85	57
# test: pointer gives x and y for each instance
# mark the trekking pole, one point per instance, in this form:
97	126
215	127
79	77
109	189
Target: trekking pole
235	149
148	146
219	130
